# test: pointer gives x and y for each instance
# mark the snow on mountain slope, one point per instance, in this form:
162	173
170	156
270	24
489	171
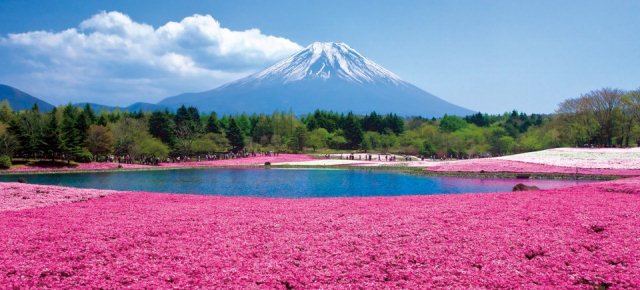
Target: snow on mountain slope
329	76
324	60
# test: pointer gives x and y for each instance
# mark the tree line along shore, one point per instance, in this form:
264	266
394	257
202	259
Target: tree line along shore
601	118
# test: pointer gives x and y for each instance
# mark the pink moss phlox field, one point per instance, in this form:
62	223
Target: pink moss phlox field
579	237
95	166
17	196
81	167
499	165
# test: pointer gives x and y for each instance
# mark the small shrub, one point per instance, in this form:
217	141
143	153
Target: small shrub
597	228
5	162
523	187
84	157
530	254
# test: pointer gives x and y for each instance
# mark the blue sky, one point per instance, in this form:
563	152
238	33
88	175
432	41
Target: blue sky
491	56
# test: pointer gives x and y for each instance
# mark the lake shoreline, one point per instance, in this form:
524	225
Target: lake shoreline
411	170
286	182
559	163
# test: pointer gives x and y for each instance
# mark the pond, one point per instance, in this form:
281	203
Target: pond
291	183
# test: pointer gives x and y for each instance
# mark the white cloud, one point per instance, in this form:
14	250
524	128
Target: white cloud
111	59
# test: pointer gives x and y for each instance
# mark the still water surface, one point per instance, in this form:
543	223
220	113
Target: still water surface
282	182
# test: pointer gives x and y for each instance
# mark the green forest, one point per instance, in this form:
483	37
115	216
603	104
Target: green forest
602	118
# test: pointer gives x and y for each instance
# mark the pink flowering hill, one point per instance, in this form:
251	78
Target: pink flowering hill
583	161
495	165
578	237
97	166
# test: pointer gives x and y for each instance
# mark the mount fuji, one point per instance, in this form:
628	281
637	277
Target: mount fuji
327	76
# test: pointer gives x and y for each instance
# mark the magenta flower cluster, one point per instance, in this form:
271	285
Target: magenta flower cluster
494	165
578	237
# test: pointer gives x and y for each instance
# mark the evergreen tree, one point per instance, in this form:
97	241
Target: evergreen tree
188	119
194	118
262	130
244	123
394	123
83	123
28	129
213	125
182	116
138	115
224	122
322	119
235	136
114	116
352	131
161	127
71	138
102	120
91	116
373	122
479	119
53	136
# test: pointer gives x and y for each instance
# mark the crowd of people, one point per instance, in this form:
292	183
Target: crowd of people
150	160
368	157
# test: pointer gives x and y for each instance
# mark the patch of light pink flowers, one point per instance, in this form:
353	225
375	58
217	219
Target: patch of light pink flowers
494	165
578	237
17	196
596	158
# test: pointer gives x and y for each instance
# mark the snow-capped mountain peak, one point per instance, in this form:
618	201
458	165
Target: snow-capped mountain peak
327	60
324	75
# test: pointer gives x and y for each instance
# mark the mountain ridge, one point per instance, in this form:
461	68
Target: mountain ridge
19	100
328	76
135	107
